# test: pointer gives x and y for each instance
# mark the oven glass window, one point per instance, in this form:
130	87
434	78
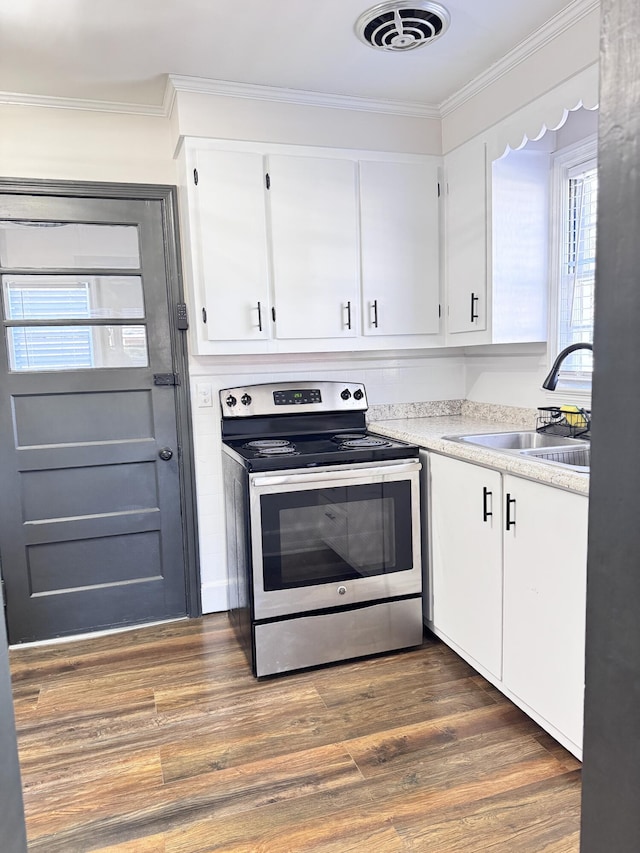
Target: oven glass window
336	534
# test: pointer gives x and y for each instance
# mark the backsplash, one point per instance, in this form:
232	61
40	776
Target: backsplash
431	409
447	408
501	414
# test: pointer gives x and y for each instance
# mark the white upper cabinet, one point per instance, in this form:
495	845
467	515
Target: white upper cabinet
400	247
296	249
466	238
231	244
496	225
313	207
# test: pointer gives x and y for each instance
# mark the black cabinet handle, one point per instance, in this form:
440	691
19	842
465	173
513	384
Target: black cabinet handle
486	494
374	322
474	304
348	309
510	522
259	317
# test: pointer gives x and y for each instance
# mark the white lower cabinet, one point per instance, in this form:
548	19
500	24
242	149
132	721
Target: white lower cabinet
545	581
466	558
507	575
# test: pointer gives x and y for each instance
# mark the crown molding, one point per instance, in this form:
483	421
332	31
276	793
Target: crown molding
301	97
178	83
554	27
22	100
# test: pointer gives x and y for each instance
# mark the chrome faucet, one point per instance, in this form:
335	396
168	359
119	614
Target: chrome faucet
551	381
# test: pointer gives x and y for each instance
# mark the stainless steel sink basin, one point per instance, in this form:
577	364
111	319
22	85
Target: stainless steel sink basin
516	440
573	453
578	458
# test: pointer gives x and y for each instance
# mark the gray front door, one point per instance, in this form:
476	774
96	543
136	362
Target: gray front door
91	533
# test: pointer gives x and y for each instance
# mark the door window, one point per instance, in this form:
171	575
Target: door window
61	320
68	245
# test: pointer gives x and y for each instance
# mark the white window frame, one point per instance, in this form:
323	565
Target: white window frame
564	162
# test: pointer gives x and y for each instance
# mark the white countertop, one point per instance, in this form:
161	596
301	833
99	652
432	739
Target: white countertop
428	432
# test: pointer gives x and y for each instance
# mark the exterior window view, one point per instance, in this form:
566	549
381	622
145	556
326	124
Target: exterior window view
577	288
311	317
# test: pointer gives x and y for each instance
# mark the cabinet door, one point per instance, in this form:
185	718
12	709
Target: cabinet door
314	238
545	565
466	558
232	244
399	212
466	238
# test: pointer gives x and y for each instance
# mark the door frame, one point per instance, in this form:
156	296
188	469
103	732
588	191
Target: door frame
168	198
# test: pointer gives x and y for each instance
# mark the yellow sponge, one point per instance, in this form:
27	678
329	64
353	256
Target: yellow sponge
574	416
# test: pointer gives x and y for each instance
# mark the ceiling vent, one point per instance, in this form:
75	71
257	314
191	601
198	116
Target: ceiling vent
399	26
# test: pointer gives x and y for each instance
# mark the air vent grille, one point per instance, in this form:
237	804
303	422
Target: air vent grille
399	26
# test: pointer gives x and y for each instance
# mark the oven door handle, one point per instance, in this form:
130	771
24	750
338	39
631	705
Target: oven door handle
330	477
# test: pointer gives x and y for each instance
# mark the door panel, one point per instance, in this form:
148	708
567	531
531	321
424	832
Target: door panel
232	240
545	602
91	528
466	555
315	246
400	252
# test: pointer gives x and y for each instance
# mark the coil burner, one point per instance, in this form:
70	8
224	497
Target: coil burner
365	441
268	443
273	447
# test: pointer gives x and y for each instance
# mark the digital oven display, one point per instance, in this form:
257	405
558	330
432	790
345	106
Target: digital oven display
296	398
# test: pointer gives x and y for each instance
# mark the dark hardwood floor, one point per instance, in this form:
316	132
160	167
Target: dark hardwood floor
159	740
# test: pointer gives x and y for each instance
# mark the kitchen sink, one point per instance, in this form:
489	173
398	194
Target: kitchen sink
529	439
573	453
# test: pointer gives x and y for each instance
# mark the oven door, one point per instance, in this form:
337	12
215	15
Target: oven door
334	536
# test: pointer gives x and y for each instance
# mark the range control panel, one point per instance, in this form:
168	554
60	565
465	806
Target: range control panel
288	397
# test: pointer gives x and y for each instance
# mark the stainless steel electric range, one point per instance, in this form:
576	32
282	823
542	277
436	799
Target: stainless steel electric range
323	527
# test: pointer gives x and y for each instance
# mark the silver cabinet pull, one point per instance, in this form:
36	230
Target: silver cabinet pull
348	309
259	317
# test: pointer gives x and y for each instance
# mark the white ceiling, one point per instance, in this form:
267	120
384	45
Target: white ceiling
122	50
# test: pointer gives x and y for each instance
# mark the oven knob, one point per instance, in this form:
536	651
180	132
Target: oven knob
345	394
231	400
358	394
342	590
245	399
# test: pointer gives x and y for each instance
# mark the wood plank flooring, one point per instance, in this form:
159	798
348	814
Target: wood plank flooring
159	740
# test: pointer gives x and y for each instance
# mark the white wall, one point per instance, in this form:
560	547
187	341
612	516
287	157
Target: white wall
85	145
509	375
